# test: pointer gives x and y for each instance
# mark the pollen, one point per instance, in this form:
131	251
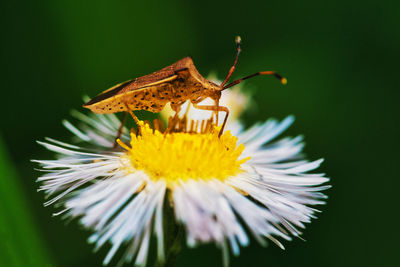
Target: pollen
180	156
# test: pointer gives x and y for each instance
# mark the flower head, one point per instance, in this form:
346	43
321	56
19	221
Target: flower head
218	185
178	157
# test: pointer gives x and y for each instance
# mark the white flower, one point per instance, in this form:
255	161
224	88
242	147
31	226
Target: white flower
217	187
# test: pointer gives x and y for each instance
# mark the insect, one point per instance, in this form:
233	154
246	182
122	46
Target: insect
174	84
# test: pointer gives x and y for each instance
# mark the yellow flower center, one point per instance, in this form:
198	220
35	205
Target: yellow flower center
182	156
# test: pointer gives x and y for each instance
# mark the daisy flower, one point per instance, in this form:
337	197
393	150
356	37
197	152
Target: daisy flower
216	186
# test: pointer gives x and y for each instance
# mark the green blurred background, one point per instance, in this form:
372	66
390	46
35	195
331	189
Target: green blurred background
341	60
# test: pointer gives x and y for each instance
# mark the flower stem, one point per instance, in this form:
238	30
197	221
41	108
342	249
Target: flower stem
174	236
173	250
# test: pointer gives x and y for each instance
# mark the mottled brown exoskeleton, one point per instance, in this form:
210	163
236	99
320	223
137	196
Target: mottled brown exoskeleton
174	84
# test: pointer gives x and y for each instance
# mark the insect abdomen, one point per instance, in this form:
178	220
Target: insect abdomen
152	99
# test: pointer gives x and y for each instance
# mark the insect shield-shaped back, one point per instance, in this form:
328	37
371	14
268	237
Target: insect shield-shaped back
176	83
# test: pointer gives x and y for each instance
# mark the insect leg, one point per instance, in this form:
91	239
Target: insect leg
172	122
217	109
120	129
187	111
216	99
133	116
216	112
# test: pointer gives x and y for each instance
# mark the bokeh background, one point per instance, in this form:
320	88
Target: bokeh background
342	62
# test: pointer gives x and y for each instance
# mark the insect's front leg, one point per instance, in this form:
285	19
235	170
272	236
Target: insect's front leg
120	129
217	109
216	100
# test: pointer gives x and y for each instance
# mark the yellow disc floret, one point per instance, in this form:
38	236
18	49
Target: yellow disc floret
182	156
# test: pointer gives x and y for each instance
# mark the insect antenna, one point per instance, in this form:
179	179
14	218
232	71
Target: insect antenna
273	73
238	40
